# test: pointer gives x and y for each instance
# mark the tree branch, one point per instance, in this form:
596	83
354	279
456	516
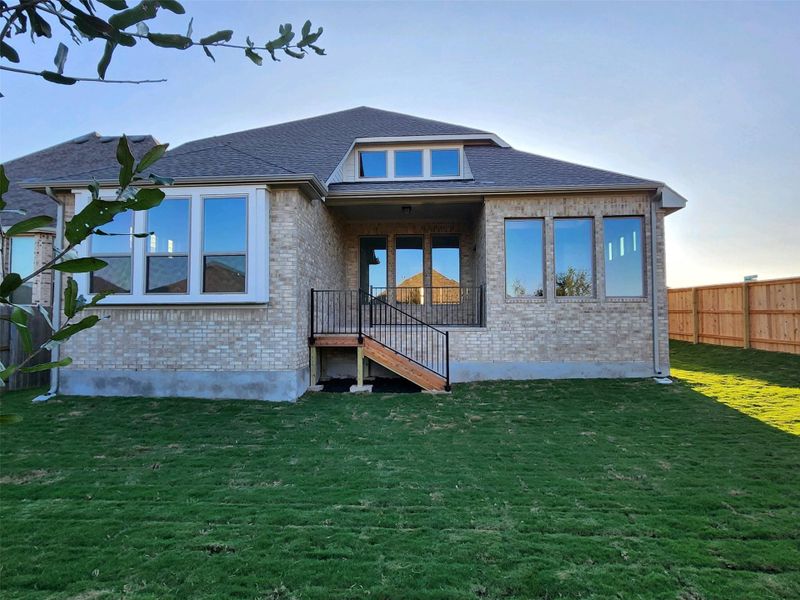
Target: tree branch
92	79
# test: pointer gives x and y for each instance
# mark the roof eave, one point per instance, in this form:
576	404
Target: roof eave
495	191
308	181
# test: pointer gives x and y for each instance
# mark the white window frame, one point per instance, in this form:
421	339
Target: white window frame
426	162
257	286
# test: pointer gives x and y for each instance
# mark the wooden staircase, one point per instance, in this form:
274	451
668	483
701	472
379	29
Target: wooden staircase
407	369
381	332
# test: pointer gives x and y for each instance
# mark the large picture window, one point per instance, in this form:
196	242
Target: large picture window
574	257
224	244
201	245
372	164
408	269
445	163
524	240
114	248
22	263
168	247
624	256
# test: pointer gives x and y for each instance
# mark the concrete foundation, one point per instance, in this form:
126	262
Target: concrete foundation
277	386
482	371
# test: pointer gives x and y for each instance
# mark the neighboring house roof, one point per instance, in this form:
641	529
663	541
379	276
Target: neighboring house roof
311	150
83	153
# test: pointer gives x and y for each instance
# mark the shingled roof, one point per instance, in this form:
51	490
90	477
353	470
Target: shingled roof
84	153
314	148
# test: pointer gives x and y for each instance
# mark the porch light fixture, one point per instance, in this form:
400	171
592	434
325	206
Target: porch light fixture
406	210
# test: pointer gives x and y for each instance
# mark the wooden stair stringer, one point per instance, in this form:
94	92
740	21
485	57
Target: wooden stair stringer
402	366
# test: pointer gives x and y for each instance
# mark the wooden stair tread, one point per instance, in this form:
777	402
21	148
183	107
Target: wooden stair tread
336	341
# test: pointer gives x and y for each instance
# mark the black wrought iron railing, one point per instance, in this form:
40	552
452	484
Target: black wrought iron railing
438	305
358	312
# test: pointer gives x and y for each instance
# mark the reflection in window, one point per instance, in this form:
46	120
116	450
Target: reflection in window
408	269
624	256
372	164
22	263
445	269
224	244
574	262
524	258
408	163
168	247
445	163
115	249
372	265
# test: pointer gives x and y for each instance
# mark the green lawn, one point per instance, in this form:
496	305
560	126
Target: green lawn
548	489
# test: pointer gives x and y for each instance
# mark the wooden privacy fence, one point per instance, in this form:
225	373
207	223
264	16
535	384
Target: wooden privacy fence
754	314
11	351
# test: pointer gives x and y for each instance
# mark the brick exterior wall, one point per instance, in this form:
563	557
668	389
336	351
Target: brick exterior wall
311	246
554	329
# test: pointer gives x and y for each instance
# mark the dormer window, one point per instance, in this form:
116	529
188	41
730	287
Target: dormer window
372	164
408	162
445	163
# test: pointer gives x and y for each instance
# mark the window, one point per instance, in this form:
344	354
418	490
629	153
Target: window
115	248
372	164
168	247
524	258
408	163
372	265
22	263
574	257
408	269
445	163
624	256
445	269
224	244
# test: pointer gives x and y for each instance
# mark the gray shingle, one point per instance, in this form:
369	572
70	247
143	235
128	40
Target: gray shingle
81	154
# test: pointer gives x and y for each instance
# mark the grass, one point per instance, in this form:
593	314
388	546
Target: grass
765	385
567	489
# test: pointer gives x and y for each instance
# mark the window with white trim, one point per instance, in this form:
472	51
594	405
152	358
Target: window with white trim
409	163
624	256
23	257
204	246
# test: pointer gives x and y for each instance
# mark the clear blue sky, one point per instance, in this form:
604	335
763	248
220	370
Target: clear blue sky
703	96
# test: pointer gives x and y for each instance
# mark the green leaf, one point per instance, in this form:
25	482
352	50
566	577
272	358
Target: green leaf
254	56
6	373
220	36
10	282
170	40
20	320
64	362
4	183
105	60
293	54
306	29
56	78
80	265
126	161
71	298
8	53
317	49
70	330
61	57
39	25
91	26
172	6
96	298
141	12
29	225
115	4
145	199
151	156
208	53
125	39
189	28
95	214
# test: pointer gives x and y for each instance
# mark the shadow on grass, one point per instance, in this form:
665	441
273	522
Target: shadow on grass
777	368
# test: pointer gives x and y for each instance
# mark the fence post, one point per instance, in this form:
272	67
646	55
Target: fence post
745	315
447	359
311	319
360	325
695	318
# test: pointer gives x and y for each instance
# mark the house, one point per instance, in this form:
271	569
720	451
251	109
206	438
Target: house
26	253
284	254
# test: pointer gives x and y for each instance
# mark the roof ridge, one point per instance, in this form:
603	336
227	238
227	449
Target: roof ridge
64	143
